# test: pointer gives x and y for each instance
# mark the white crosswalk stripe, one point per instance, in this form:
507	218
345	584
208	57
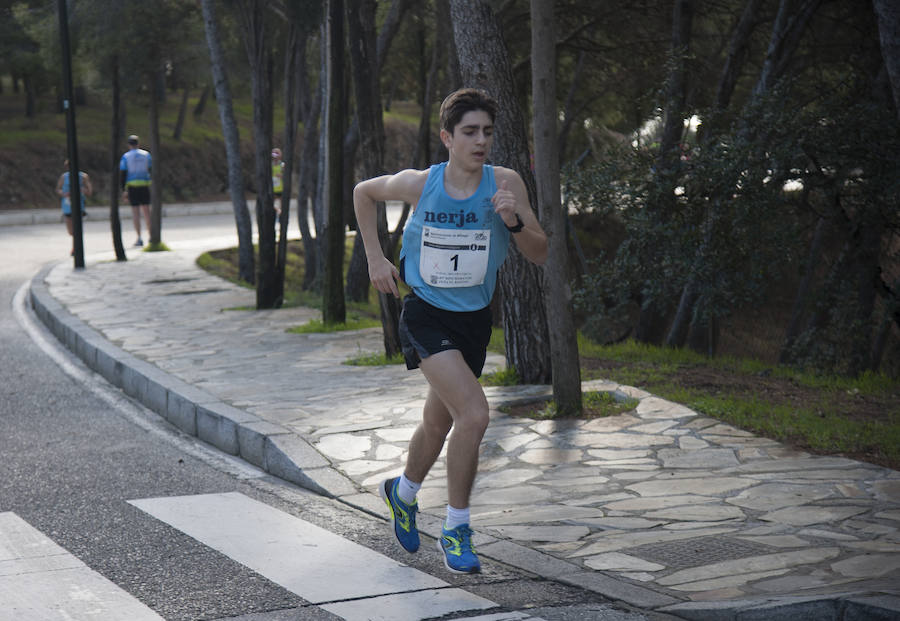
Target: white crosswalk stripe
317	565
40	580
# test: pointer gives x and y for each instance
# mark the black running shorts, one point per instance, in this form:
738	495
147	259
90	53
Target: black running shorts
139	195
427	329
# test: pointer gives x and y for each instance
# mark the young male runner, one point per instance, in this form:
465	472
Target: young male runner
453	245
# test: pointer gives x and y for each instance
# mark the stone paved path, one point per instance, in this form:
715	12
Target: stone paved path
660	507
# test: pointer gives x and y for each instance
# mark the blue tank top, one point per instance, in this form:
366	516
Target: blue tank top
64	202
453	248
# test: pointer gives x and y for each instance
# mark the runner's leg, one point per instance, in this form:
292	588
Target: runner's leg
428	439
136	217
455	385
146	210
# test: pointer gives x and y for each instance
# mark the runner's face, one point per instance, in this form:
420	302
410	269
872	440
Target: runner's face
471	140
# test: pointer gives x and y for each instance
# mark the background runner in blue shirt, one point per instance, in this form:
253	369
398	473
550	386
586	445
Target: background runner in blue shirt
135	167
65	203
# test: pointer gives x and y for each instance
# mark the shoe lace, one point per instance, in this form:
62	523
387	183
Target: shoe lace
464	533
410	510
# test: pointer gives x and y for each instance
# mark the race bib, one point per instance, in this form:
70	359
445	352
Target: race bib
454	257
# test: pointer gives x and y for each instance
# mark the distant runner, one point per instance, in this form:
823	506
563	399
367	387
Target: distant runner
135	167
62	188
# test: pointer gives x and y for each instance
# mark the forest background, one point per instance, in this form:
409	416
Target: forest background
729	173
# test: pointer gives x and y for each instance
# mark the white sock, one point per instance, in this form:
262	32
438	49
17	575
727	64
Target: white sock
456	517
407	489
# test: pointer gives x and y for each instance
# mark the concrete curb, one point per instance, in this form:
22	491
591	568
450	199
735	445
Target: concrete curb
285	455
849	607
26	217
268	446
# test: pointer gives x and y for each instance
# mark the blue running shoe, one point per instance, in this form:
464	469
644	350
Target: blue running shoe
403	516
459	553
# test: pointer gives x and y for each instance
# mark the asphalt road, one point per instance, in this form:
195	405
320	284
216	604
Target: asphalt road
77	455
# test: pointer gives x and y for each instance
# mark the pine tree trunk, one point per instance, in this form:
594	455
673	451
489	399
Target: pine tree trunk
363	60
306	192
182	112
333	307
200	108
676	84
294	56
566	371
357	287
651	326
866	273
737	53
484	63
888	13
802	295
252	14
246	267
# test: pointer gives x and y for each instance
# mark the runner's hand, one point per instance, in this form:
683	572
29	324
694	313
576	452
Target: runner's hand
384	276
505	204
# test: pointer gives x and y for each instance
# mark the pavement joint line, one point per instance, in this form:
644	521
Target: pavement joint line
273	448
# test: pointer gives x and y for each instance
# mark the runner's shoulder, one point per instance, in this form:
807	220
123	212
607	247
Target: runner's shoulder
408	184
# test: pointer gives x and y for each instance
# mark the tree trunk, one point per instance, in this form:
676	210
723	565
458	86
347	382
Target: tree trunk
566	372
737	53
891	310
569	110
182	112
333	307
361	30
800	299
246	268
453	75
30	95
866	277
357	286
786	34
200	108
306	192
422	153
115	224
678	331
252	14
888	14
676	84
651	319
320	206
156	186
295	56
484	63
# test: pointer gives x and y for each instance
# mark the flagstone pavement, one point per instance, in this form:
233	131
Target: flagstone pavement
661	508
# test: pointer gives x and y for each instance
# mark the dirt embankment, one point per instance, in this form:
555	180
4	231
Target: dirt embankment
187	171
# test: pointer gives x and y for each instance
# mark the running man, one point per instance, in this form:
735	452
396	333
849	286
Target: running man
465	213
134	168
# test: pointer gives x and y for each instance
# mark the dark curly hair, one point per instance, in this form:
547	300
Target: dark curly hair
465	100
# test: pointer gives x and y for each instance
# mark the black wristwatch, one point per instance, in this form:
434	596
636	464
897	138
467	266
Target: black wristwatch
518	226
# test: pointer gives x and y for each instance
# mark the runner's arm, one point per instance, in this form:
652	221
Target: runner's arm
511	200
404	186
